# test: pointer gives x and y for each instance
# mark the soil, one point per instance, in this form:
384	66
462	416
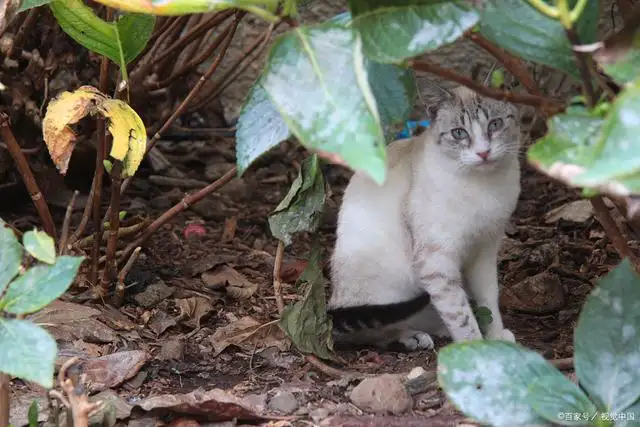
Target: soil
230	229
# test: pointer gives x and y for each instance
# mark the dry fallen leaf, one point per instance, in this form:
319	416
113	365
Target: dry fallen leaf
230	225
193	309
160	321
576	211
248	334
233	282
214	405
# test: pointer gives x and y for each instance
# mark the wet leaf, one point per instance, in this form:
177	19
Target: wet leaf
260	127
10	255
248	334
301	209
524	31
620	54
40	285
306	322
392	31
607	339
489	381
40	245
120	41
27	351
126	127
554	396
324	65
29	4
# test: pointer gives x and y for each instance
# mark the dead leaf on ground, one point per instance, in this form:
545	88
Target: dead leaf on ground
193	309
248	334
214	405
576	211
113	369
229	232
160	321
230	280
69	322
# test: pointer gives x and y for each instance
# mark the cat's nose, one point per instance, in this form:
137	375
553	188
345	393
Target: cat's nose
484	155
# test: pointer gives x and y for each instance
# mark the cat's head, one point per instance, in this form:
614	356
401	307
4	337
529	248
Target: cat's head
476	132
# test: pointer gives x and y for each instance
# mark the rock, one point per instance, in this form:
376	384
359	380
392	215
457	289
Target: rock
539	294
319	414
578	211
172	350
156	292
382	395
283	402
418	380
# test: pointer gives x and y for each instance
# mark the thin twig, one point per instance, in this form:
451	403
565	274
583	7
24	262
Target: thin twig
277	283
184	204
512	63
122	232
118	296
27	176
4	399
331	371
99	173
196	88
582	59
549	105
85	214
64	235
76	394
110	272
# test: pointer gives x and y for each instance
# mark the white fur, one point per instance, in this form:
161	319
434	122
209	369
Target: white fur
437	212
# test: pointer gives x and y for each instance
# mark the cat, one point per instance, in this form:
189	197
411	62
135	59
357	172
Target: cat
410	254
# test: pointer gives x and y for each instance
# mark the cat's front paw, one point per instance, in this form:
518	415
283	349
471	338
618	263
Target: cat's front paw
416	340
503	335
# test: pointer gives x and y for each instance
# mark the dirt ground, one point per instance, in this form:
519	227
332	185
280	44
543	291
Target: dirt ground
187	323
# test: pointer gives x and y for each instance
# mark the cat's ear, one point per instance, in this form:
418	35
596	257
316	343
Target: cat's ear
432	96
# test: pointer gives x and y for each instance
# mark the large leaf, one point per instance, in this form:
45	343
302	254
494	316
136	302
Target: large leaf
260	127
121	41
395	30
317	80
29	4
10	255
40	246
554	397
489	381
27	351
301	209
524	31
306	322
40	285
607	340
620	54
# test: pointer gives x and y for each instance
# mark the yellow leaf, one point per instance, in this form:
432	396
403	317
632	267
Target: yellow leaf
129	134
67	109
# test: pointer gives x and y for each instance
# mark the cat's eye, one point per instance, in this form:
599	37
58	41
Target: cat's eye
495	125
459	133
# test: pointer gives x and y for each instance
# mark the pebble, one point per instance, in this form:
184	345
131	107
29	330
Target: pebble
419	380
284	402
172	350
155	292
383	394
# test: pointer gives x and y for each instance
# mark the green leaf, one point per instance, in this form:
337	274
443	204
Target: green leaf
316	78
30	4
395	30
27	351
121	41
33	414
607	340
301	209
10	255
40	245
630	417
260	127
306	322
40	285
489	381
524	31
554	397
620	54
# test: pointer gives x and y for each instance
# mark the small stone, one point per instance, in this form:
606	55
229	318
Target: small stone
172	350
319	414
382	395
284	402
156	292
418	380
